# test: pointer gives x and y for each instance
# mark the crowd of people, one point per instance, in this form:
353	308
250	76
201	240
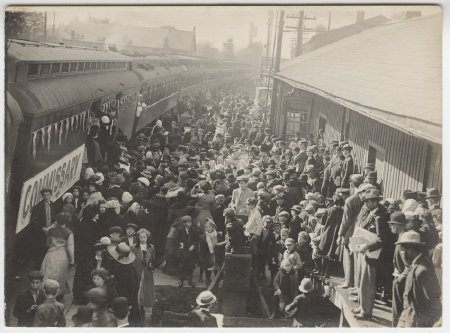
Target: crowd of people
210	178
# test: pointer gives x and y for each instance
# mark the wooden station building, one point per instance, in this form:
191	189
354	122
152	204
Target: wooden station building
381	90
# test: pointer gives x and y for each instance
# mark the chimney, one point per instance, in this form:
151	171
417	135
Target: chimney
360	16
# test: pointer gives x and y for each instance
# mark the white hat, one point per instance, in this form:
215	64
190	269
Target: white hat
65	195
159	123
205	298
127	197
105	120
88	173
148	155
102	178
113	204
144	181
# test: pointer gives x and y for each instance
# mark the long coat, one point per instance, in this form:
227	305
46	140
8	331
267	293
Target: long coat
347	170
24	301
328	241
352	208
423	294
287	283
38	238
144	273
86	233
59	255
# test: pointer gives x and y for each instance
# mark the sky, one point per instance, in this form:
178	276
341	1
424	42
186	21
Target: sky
215	24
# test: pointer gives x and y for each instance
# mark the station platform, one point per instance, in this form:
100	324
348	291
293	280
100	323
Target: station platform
340	297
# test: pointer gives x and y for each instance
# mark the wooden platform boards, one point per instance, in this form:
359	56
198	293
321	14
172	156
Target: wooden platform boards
340	297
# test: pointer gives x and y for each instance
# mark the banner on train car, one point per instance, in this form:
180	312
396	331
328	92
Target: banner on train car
59	177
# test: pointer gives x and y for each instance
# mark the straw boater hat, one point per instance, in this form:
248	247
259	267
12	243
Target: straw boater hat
306	286
121	253
205	298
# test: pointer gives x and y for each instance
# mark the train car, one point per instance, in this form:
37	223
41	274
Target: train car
54	92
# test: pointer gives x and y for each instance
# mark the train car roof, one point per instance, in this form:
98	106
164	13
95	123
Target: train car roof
41	97
27	51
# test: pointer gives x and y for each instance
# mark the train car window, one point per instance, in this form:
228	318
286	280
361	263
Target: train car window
103	65
108	65
65	67
56	68
45	69
33	69
81	66
99	65
92	66
73	66
87	66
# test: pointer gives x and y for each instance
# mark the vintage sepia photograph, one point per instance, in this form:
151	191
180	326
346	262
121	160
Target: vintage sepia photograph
260	166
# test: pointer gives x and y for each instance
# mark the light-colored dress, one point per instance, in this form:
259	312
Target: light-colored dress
205	205
59	255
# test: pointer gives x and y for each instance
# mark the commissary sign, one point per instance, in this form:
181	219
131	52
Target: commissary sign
59	178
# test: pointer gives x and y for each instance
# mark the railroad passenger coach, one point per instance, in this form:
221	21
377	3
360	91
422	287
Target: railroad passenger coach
54	93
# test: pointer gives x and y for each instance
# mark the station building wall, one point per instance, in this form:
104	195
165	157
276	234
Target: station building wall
403	161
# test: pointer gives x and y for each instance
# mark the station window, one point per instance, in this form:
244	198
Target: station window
33	69
87	66
103	65
56	68
92	66
45	69
99	65
108	65
73	66
65	67
81	66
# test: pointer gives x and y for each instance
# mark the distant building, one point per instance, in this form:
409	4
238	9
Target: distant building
132	39
327	37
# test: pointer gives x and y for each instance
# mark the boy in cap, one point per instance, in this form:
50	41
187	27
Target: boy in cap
51	312
28	300
291	255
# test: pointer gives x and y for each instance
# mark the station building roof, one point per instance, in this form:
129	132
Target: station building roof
391	73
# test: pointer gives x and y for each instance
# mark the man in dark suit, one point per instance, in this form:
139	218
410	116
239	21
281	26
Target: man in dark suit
188	238
347	166
352	207
42	216
422	305
28	300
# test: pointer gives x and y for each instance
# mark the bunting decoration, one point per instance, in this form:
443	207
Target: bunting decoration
49	136
67	128
56	131
34	144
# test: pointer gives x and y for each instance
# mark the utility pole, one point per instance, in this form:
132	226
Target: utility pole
329	21
277	69
300	30
53	30
299	47
45	26
269	33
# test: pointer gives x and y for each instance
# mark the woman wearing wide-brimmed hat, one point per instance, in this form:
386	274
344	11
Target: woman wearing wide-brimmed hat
120	263
60	255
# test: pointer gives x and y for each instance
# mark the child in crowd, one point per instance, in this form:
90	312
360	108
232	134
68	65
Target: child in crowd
51	312
285	287
28	300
